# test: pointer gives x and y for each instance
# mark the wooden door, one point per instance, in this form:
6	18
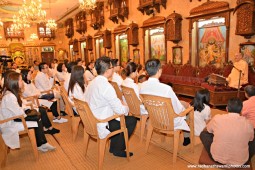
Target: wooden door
47	57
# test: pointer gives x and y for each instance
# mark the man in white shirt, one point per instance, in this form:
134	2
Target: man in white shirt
44	81
153	87
104	103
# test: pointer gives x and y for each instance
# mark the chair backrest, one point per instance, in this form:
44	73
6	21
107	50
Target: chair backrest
117	89
69	107
87	117
132	101
160	111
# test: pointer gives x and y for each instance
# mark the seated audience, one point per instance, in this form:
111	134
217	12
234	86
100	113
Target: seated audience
76	87
14	67
227	136
153	87
131	73
69	67
61	72
36	65
104	103
11	106
141	79
249	105
89	74
29	89
239	65
116	68
44	81
202	110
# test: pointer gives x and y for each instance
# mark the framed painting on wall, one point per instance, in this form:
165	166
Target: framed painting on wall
212	44
136	56
177	55
101	48
157	43
123	50
248	51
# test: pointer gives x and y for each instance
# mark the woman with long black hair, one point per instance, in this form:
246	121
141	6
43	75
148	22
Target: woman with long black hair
11	105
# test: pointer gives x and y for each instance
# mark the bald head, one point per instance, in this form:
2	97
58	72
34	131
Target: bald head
238	57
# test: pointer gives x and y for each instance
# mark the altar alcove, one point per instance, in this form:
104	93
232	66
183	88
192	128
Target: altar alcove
209	34
121	43
154	39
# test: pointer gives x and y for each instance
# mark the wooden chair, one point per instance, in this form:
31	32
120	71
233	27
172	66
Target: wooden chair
51	92
162	116
117	89
29	132
134	103
90	129
69	108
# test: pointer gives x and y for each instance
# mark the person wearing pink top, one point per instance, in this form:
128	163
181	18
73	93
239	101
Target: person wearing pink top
249	105
228	136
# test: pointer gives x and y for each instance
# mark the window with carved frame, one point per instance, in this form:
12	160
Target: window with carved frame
45	32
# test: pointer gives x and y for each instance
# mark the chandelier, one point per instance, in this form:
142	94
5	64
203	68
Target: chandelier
32	12
19	23
87	5
33	36
51	23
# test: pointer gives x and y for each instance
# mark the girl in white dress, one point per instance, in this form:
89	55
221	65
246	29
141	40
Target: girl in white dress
30	90
202	111
131	73
11	106
76	87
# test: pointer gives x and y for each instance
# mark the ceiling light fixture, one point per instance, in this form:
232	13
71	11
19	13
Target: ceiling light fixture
32	12
51	23
87	5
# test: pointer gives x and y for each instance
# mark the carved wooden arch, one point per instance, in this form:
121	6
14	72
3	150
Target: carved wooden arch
173	27
97	36
81	22
153	22
209	10
132	32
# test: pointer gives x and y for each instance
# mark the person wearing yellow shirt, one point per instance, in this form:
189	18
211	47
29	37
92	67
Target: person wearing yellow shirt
239	65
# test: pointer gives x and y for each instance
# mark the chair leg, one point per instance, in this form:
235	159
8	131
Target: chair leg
176	144
86	142
148	139
127	144
75	126
101	152
31	134
192	140
143	123
163	138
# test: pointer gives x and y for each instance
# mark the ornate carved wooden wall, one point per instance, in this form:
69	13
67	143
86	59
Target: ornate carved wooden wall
209	10
173	27
89	43
107	39
81	24
132	34
44	32
148	6
245	23
118	10
97	16
69	27
10	33
75	45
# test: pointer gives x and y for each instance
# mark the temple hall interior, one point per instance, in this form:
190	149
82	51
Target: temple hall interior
127	84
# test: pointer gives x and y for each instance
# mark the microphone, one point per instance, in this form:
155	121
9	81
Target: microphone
238	69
